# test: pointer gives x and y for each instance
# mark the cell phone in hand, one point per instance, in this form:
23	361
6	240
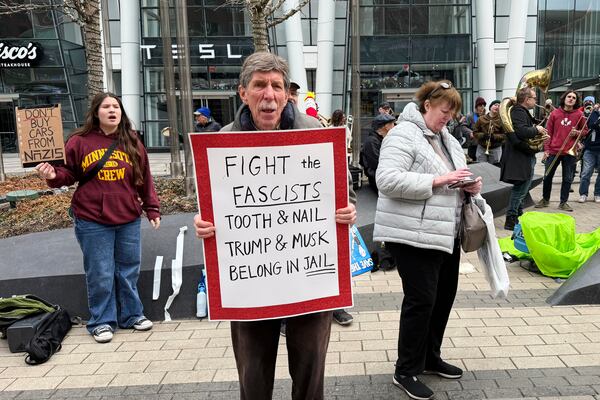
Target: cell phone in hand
462	183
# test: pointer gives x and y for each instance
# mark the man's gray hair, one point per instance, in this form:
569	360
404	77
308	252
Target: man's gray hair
264	62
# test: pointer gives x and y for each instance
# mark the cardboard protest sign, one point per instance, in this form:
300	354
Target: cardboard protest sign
40	134
360	258
272	196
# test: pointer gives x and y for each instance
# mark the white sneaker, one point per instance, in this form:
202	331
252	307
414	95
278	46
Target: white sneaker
597	199
142	324
583	198
103	334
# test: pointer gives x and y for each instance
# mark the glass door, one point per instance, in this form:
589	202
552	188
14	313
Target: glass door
222	105
8	131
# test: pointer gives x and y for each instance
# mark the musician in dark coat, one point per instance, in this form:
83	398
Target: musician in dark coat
518	159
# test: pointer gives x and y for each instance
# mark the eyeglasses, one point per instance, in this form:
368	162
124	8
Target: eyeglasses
443	85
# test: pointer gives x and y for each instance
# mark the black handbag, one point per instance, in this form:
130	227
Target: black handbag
47	340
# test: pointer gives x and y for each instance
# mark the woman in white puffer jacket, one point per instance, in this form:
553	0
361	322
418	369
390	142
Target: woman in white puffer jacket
418	217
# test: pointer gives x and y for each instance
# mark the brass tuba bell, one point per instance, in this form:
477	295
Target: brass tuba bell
539	78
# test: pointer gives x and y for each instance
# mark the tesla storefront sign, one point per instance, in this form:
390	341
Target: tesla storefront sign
25	55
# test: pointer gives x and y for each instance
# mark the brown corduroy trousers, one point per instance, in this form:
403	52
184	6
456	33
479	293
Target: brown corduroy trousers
255	348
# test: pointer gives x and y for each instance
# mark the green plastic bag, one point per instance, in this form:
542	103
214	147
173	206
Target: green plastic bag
553	244
18	307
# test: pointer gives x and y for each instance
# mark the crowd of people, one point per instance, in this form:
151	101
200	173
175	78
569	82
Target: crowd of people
411	162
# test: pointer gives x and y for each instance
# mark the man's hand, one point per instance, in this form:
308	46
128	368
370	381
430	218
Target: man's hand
346	215
204	229
541	129
574	133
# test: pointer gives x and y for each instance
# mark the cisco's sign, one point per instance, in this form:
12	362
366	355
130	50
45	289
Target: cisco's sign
26	55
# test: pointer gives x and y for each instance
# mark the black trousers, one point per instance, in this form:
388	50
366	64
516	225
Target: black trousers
429	280
255	349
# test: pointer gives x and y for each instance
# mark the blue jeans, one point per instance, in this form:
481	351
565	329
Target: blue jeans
518	193
111	260
568	173
591	161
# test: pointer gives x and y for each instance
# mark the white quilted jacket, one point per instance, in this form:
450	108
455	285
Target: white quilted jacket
409	210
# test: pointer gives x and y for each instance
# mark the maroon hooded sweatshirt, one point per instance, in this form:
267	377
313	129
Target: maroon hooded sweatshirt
110	197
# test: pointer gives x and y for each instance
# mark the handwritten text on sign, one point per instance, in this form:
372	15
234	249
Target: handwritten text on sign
40	135
276	223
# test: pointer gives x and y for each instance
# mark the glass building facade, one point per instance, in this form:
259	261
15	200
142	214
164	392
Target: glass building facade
403	43
220	37
58	75
570	31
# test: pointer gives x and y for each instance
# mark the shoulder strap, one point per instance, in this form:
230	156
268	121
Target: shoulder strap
87	177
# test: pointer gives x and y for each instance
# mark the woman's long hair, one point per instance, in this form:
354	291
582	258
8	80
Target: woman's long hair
125	135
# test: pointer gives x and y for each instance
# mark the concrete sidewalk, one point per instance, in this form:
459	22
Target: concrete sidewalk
518	347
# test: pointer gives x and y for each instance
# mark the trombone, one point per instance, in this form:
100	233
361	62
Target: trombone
572	150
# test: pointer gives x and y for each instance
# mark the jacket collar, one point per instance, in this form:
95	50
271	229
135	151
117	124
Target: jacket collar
244	121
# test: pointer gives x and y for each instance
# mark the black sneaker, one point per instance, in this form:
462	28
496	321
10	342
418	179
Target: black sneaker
342	317
414	388
444	370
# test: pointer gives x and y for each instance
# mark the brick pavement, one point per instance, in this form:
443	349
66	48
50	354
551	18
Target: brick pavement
514	348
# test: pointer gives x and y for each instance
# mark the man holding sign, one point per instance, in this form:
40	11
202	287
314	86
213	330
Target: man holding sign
264	89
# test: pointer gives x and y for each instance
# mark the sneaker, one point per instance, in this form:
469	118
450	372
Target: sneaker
582	198
444	370
414	388
103	334
142	324
542	203
565	206
342	317
596	199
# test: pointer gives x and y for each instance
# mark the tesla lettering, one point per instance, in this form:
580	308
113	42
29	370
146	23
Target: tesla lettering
206	51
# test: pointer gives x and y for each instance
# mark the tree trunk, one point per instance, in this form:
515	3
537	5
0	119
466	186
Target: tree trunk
93	50
259	31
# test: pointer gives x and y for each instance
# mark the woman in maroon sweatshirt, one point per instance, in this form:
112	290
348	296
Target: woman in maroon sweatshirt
107	210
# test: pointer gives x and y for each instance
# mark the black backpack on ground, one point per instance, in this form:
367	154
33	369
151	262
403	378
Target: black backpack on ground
48	338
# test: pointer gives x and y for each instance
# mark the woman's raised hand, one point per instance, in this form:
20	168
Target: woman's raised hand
46	171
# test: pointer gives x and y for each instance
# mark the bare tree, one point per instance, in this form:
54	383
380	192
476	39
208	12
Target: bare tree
262	17
86	14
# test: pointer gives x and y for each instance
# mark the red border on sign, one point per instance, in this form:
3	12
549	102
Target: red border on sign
201	142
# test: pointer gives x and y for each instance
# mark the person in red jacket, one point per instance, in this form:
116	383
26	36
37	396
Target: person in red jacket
106	213
564	125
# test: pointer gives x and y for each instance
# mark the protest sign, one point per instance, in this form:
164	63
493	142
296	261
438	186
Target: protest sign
360	258
40	134
272	196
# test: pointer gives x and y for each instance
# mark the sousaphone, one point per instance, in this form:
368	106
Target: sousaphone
539	78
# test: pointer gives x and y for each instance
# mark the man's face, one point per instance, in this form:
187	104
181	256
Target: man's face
201	119
570	100
531	100
387	127
266	97
385	110
294	96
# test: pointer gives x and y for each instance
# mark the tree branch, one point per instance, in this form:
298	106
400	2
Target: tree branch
288	14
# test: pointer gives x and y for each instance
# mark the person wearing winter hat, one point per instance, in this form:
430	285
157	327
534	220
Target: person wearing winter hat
203	121
369	153
591	155
489	134
588	104
472	118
